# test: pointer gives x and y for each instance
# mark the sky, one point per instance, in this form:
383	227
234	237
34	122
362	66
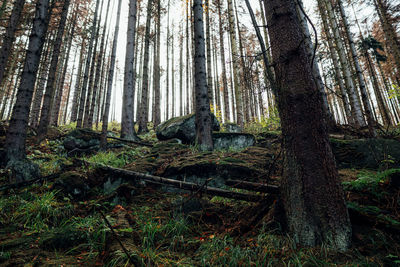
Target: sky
176	16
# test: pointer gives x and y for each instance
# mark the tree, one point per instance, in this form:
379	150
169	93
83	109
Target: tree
16	134
51	79
127	124
9	36
103	140
203	113
313	199
144	107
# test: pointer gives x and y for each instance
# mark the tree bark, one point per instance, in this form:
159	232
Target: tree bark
312	195
50	87
203	113
9	36
16	134
127	124
144	106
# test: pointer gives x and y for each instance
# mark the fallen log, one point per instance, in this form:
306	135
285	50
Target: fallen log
258	187
179	184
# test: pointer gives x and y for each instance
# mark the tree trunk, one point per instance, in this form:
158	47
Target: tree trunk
50	87
16	134
312	195
361	81
203	113
110	78
83	91
9	36
227	114
236	66
156	83
76	97
127	124
144	106
356	108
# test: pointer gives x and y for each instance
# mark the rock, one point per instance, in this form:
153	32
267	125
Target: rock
182	128
232	127
73	183
80	141
366	153
235	141
23	170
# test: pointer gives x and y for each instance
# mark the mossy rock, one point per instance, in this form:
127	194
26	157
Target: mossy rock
231	127
366	153
233	141
73	183
183	128
23	170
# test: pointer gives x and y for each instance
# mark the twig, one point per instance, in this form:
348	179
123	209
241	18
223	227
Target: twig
135	262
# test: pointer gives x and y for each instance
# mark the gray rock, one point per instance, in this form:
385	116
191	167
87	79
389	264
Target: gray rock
183	128
23	170
235	141
232	128
366	153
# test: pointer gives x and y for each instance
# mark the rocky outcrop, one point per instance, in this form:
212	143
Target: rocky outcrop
183	128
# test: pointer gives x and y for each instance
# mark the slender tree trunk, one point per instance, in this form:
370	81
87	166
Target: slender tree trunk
50	87
110	78
312	195
361	81
144	107
208	43
156	84
76	97
236	66
223	64
9	36
353	97
83	91
203	113
127	124
16	134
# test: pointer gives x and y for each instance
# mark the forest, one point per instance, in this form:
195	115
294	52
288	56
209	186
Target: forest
199	133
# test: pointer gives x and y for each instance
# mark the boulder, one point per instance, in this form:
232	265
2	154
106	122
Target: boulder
73	183
230	127
366	153
183	128
22	170
234	141
81	139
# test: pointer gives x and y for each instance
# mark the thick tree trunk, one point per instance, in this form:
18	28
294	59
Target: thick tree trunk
16	134
9	36
312	195
50	87
203	113
127	124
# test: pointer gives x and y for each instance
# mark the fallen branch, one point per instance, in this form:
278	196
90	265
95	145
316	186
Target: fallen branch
119	139
258	187
179	184
32	181
133	260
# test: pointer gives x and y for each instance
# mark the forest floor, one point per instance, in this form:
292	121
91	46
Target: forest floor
82	217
